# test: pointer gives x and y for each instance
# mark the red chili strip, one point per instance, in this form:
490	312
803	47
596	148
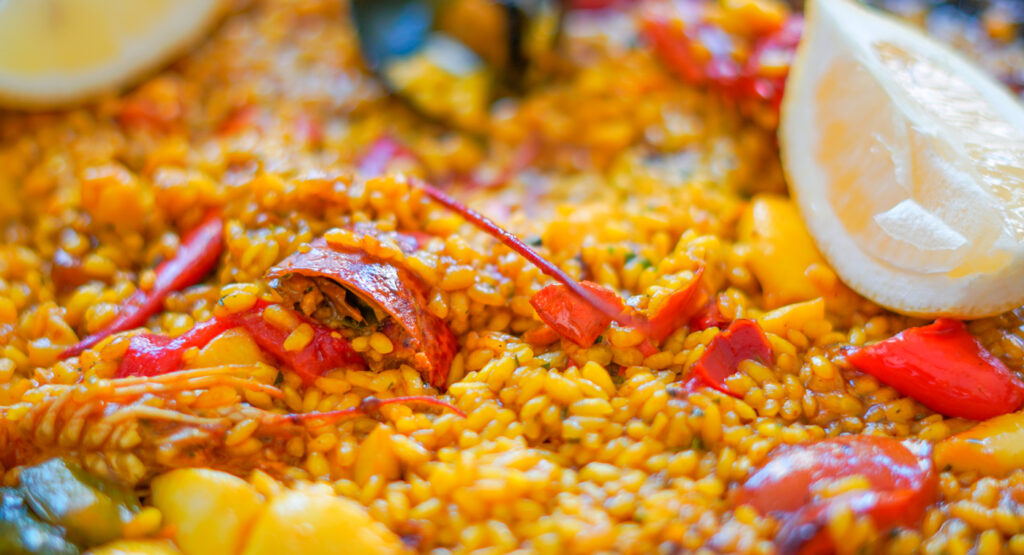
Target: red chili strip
743	340
197	256
946	369
151	354
903	483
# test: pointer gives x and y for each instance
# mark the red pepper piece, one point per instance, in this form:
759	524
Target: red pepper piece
709	316
672	44
743	340
197	256
780	45
151	354
675	45
240	119
946	369
679	308
571	316
326	351
901	474
647	348
395	290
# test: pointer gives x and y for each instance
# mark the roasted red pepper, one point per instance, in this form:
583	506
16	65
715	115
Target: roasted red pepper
774	50
946	369
197	256
679	308
571	316
151	354
903	483
760	76
709	316
388	286
240	119
743	340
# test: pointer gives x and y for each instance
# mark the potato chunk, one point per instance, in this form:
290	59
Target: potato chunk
782	250
210	510
313	521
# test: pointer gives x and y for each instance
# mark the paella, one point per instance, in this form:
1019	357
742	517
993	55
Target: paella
710	276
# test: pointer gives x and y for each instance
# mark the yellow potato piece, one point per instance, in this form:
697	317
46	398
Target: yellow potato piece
994	447
779	321
136	547
234	346
782	250
376	456
209	510
313	521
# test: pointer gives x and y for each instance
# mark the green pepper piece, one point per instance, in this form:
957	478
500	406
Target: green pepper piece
92	510
21	533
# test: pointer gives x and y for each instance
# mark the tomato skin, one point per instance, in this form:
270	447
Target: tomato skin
946	369
901	475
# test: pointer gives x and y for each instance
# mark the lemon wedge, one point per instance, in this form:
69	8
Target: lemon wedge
56	52
907	163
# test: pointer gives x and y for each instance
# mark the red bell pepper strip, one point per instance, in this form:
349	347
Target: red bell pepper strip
679	308
780	45
240	119
901	475
151	354
571	316
197	256
391	287
946	369
709	316
743	340
673	46
154	354
735	79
